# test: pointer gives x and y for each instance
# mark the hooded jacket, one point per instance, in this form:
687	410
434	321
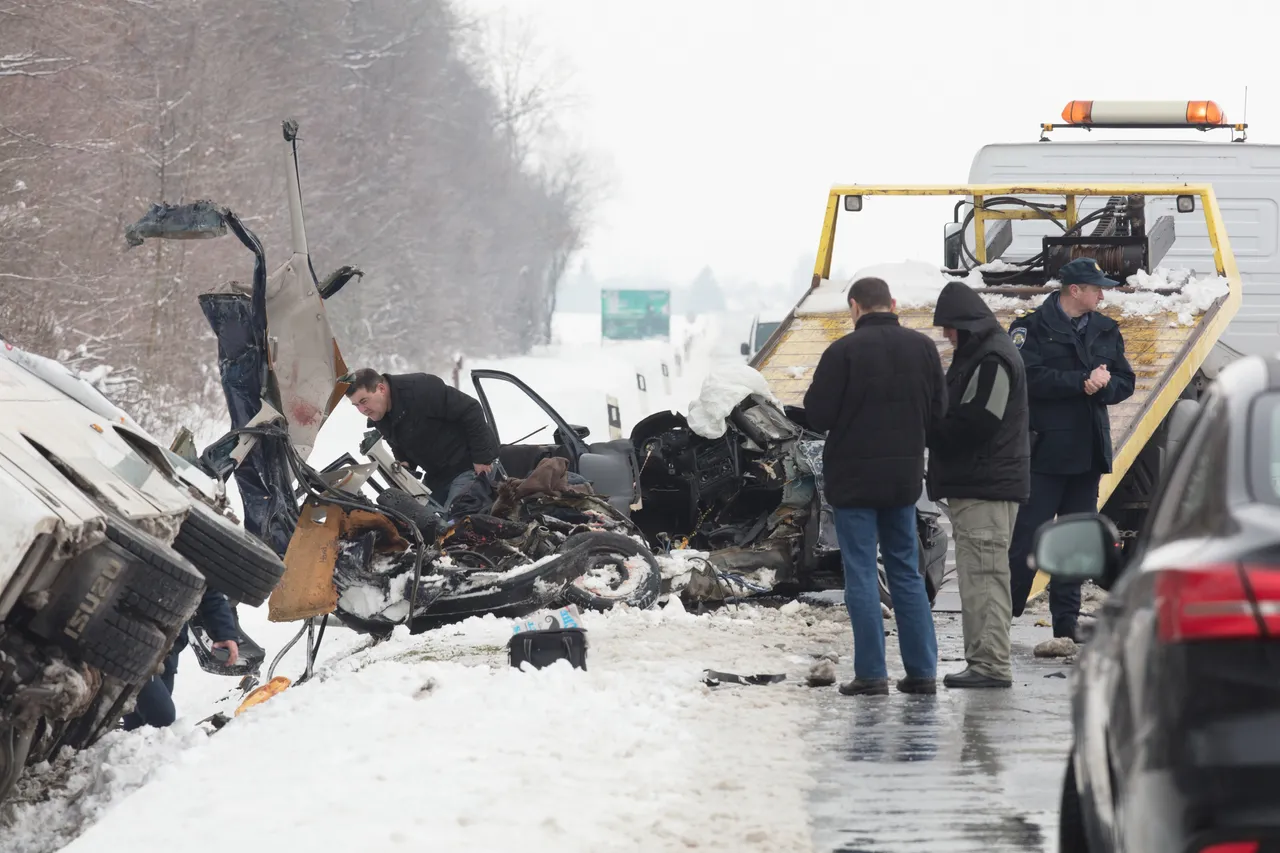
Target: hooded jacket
982	449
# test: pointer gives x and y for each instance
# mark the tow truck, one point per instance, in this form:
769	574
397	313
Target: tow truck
1180	316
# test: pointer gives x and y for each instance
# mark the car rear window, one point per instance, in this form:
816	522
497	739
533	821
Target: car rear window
1264	449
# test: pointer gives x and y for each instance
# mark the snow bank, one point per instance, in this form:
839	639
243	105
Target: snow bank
407	747
725	387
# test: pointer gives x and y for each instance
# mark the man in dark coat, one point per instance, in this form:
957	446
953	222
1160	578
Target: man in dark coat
154	705
428	424
1076	368
877	393
980	462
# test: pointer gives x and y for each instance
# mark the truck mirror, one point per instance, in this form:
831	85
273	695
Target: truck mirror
745	348
952	237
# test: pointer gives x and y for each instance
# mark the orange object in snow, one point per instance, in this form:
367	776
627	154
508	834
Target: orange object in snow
273	687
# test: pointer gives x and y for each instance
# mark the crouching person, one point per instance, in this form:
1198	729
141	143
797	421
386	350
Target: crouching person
428	424
154	705
980	462
876	393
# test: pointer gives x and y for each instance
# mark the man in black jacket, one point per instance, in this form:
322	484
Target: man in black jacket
876	393
1076	368
980	461
427	424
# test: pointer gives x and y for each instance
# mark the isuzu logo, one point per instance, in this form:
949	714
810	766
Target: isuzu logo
99	591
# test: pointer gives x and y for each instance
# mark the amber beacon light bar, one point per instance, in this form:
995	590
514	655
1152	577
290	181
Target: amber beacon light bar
1195	115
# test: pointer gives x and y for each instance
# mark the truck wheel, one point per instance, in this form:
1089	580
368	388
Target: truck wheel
233	562
164	587
119	605
610	568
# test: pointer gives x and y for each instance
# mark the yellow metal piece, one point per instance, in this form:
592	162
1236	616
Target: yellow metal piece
1165	355
980	229
307	589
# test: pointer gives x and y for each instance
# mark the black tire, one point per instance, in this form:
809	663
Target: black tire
164	587
120	645
638	588
1072	837
428	523
233	562
511	597
120	604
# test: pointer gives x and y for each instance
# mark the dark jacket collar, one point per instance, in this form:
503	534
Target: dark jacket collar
1057	320
877	318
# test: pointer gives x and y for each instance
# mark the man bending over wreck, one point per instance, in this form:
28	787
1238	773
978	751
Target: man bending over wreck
428	424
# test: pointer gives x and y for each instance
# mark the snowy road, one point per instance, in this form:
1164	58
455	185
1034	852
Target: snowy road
433	743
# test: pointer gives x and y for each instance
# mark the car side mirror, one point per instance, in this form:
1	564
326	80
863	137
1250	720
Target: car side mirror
1077	547
580	431
745	349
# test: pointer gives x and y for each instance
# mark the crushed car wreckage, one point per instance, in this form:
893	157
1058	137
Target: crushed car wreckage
730	494
741	476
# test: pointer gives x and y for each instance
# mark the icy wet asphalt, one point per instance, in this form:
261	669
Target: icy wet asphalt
965	770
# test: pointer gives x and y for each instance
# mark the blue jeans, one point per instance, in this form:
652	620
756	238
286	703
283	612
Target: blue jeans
857	531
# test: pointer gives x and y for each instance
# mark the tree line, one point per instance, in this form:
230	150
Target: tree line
427	160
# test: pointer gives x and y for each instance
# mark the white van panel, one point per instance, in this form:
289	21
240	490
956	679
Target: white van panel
1245	179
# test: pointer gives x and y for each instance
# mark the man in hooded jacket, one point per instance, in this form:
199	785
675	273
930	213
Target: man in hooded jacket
980	462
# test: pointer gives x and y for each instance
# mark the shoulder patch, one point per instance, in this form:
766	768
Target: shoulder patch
1019	336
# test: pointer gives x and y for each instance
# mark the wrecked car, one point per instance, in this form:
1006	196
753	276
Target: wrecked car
364	542
740	477
109	541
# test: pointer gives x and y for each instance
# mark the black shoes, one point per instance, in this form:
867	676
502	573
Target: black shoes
866	687
969	678
923	686
880	686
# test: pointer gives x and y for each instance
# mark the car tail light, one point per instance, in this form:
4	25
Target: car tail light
1232	847
1217	602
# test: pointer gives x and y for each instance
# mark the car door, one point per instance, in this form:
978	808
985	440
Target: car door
610	466
1118	660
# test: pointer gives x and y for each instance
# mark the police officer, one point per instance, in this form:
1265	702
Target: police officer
1076	368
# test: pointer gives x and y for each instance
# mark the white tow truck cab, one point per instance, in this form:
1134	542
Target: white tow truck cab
1177	142
763	325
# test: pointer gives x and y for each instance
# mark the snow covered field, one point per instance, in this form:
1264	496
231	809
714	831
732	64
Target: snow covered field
435	743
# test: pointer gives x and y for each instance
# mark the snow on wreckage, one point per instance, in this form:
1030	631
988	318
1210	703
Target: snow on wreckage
363	541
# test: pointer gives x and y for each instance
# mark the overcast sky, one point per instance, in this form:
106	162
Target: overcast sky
722	123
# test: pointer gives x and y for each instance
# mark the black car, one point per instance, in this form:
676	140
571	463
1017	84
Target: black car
1176	694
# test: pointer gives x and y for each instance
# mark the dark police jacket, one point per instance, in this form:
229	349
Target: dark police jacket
1070	430
981	450
436	427
876	393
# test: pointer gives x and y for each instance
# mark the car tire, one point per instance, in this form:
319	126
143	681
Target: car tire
1072	837
639	586
233	561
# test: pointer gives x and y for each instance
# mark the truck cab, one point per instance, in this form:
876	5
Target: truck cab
763	325
1159	147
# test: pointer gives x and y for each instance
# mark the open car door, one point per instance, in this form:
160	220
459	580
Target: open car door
609	466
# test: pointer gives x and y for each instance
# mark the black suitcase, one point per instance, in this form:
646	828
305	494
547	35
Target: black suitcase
542	648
